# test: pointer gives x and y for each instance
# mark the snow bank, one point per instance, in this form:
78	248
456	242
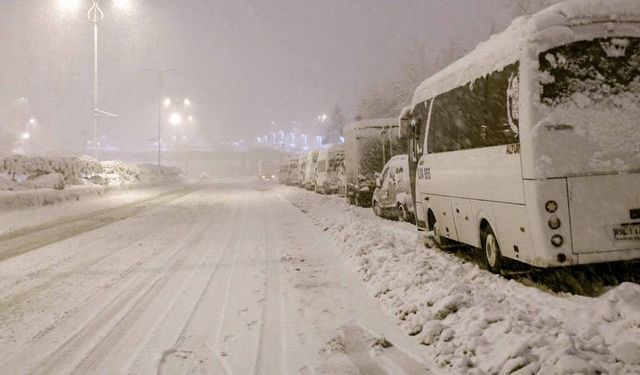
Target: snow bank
36	181
19	172
474	322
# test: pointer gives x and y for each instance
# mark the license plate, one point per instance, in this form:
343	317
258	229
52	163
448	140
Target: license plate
627	232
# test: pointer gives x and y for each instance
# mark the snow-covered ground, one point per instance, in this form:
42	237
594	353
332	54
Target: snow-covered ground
473	322
223	277
240	277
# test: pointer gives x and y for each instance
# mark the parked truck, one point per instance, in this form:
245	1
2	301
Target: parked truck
369	144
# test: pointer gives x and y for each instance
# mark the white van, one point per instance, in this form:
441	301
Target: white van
529	147
330	159
392	198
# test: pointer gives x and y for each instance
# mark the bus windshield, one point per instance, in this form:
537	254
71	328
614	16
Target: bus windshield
590	106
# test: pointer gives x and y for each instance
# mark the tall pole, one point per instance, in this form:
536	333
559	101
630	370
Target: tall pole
160	74
160	87
95	15
95	90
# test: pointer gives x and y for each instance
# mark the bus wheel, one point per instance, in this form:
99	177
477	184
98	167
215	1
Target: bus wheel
403	215
352	199
492	255
376	209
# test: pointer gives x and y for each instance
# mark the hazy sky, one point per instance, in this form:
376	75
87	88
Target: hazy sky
242	63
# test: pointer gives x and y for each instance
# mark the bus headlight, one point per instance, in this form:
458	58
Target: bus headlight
551	206
554	223
557	240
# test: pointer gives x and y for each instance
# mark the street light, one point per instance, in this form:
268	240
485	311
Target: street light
175	119
95	15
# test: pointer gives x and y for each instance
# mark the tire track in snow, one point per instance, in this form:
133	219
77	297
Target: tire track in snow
195	348
27	323
96	316
44	281
121	330
270	350
182	304
32	238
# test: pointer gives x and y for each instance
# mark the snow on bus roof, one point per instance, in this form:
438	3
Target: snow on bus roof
371	123
504	48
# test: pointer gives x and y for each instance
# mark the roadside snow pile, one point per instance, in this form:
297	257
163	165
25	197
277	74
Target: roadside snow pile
19	172
474	322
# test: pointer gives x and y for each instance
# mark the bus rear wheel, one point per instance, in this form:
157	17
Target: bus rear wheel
351	198
376	209
435	238
491	250
403	213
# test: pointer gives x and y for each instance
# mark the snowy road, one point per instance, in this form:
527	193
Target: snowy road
221	278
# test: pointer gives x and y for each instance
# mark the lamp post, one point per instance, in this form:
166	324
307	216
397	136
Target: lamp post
178	115
95	15
166	102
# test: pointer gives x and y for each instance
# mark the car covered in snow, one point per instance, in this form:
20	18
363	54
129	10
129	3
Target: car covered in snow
330	160
369	144
392	196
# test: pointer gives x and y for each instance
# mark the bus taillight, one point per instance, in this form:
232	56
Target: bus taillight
551	206
554	223
557	240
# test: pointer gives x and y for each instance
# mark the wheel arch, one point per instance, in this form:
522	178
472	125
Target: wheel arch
431	218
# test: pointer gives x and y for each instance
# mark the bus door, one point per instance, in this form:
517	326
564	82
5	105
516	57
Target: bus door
419	121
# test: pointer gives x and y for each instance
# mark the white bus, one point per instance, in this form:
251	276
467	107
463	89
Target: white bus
529	147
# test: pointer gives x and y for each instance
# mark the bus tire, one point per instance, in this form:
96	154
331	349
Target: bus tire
352	199
491	250
403	214
376	208
442	242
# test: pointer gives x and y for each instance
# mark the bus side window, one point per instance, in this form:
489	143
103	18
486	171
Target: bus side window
501	125
443	134
418	141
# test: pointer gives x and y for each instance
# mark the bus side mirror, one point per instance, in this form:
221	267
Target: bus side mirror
405	128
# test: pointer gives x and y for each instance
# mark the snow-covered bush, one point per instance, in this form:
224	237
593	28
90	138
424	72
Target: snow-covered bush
46	181
19	172
126	172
